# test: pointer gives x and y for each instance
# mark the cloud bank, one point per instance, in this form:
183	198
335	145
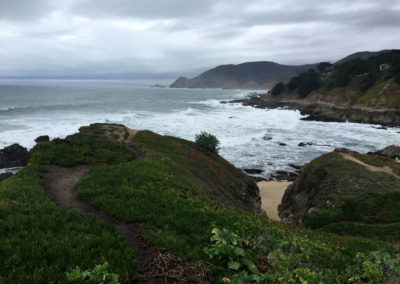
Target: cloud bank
162	39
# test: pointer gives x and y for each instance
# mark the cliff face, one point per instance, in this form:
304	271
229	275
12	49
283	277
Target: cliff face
250	75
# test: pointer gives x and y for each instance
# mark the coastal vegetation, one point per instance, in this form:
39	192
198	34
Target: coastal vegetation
187	202
373	82
207	141
343	196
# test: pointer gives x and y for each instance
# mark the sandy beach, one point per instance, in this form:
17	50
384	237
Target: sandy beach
271	195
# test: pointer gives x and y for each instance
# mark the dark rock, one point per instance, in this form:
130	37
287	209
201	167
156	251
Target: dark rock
282	144
267	137
295	166
329	113
302	144
253	171
14	156
3	176
391	152
43	138
380	127
284	175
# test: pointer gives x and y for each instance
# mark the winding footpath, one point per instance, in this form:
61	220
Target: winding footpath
386	169
154	267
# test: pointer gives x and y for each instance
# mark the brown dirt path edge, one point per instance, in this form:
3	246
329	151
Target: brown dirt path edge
154	267
386	170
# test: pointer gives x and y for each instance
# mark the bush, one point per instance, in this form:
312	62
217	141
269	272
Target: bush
278	89
207	142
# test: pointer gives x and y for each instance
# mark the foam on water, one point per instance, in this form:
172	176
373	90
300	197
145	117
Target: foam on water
242	130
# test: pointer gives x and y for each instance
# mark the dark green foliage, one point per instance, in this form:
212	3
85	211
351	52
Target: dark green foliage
323	67
171	192
278	89
178	217
361	196
41	241
370	70
207	141
397	79
99	274
86	150
305	83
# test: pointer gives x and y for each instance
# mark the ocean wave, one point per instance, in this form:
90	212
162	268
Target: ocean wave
6	108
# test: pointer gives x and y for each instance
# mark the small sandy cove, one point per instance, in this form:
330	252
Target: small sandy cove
271	195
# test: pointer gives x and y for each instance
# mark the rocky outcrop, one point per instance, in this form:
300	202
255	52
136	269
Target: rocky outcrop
391	151
43	138
14	156
321	111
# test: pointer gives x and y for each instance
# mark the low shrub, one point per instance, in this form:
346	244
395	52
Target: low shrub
207	142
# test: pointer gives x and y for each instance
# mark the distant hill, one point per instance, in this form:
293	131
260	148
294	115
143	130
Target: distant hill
250	75
258	75
364	55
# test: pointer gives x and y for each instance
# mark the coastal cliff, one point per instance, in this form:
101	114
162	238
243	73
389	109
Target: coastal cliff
366	91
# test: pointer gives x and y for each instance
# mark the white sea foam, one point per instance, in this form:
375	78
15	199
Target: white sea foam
242	130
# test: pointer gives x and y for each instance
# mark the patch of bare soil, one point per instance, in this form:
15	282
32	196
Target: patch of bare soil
386	170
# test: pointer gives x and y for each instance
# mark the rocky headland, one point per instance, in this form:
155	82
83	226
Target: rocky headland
356	90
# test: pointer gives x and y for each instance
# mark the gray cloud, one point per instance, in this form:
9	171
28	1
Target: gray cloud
125	38
24	10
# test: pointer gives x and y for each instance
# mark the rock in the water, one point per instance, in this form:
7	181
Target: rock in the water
253	171
267	138
282	144
295	166
43	138
302	144
283	175
3	176
14	156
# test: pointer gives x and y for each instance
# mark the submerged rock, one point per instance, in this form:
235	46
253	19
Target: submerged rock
14	156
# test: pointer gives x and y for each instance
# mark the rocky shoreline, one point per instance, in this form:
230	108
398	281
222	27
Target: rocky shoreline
320	111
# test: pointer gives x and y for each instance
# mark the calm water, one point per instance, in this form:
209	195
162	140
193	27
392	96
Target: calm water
58	108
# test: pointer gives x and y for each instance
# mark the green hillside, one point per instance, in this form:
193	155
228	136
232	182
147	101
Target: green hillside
374	82
186	201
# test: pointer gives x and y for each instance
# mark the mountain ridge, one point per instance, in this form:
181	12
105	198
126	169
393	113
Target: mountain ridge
257	75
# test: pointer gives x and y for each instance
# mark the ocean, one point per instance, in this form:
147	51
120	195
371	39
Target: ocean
250	138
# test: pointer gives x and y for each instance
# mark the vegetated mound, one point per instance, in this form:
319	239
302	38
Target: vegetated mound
160	193
346	193
248	75
209	174
366	81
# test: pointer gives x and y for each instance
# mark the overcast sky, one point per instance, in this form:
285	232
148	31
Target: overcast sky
166	38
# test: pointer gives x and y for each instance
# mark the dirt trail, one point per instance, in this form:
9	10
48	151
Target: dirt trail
386	169
154	267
